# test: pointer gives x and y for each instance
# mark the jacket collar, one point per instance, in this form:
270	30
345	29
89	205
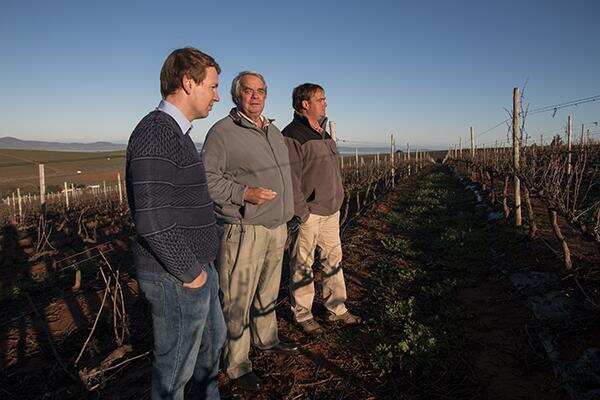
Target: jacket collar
238	119
304	121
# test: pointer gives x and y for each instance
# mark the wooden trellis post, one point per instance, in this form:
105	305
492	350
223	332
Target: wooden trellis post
332	130
42	177
121	189
20	204
332	133
569	145
13	208
472	143
516	153
392	159
66	194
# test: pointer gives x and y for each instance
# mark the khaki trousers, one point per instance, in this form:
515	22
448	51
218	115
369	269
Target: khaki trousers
249	265
322	231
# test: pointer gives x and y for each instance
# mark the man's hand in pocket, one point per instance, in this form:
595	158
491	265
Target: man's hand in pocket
198	282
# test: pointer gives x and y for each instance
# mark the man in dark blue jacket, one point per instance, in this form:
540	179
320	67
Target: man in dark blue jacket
177	236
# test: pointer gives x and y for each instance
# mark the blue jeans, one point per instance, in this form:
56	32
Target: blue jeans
189	332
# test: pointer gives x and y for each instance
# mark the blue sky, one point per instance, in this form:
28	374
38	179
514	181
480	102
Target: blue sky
425	70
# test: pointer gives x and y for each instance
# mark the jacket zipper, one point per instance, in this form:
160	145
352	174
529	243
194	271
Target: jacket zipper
280	174
265	136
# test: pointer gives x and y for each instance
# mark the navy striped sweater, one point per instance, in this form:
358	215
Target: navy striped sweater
169	201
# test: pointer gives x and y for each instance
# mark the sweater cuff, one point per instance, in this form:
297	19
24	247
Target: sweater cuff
238	196
192	273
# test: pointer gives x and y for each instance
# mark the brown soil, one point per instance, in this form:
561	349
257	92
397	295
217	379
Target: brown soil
501	359
543	253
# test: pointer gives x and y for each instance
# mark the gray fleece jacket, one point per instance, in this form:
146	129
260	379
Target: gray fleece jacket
237	154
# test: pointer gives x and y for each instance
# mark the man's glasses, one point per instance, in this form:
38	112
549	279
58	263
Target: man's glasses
250	92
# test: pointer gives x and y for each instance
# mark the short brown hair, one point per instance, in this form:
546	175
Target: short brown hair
303	92
186	61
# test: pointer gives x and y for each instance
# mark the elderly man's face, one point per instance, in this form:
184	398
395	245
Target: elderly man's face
253	96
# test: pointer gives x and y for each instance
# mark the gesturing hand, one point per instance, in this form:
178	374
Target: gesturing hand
259	195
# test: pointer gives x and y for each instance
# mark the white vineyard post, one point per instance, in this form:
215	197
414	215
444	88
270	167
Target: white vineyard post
472	143
20	204
42	177
332	133
332	130
392	159
121	189
66	194
13	208
516	153
408	156
569	144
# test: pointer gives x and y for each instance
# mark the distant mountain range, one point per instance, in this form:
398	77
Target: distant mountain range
9	142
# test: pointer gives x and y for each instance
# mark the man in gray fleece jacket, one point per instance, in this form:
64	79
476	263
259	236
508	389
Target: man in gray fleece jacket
248	174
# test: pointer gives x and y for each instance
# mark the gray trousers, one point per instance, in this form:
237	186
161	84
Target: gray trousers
249	265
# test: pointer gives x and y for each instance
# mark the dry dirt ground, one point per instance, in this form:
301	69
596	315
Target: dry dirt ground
423	268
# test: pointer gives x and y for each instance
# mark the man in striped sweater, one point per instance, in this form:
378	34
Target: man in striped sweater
177	236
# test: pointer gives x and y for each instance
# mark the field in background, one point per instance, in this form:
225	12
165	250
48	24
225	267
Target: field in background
18	169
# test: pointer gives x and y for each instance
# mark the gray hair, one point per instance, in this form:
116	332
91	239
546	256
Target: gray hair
236	85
